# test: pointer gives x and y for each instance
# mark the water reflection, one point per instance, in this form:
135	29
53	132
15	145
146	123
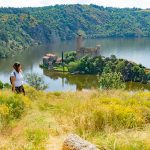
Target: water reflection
87	81
81	81
137	86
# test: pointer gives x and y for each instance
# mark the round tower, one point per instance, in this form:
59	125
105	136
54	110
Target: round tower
79	42
98	47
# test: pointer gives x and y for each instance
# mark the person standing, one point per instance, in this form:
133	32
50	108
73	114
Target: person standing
16	79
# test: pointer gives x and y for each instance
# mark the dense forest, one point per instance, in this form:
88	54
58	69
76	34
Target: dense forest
22	27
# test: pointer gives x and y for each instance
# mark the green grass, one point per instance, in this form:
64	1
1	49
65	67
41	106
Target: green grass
60	68
36	136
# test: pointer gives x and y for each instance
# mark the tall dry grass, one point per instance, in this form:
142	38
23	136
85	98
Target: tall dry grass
110	119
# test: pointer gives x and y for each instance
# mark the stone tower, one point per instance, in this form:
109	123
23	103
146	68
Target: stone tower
79	42
98	47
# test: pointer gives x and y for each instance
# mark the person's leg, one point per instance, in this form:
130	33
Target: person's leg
20	90
17	89
23	91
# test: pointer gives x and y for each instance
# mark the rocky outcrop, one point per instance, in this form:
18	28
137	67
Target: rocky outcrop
74	142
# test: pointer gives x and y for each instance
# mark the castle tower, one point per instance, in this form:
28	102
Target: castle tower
98	47
79	42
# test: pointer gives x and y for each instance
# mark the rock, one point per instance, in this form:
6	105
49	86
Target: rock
74	142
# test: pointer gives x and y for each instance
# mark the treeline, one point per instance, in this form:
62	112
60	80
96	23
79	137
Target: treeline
20	27
130	71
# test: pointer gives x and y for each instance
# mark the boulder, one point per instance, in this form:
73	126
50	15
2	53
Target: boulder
74	142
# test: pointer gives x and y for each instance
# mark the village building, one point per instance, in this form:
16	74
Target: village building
50	59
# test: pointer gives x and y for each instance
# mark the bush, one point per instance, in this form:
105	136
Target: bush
1	85
4	85
36	81
111	81
73	66
7	86
70	57
117	116
12	107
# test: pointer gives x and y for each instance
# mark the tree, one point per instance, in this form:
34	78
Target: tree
73	66
111	81
70	57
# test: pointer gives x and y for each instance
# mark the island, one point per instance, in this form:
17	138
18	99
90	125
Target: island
90	61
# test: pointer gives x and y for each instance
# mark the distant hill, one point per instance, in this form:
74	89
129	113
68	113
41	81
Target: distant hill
21	27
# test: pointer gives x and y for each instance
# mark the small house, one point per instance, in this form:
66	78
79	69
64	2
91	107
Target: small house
50	60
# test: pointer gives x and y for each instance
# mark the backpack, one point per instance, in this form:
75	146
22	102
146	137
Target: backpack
10	77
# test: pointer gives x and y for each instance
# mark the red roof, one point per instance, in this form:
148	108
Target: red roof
45	57
50	55
59	59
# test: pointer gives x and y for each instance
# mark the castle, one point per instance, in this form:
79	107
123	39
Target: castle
51	60
84	51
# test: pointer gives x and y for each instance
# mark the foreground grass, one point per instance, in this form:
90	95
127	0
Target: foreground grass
110	119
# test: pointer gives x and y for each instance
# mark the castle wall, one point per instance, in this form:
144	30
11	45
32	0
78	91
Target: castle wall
83	51
92	52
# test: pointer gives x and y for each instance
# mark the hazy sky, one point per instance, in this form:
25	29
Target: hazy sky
113	3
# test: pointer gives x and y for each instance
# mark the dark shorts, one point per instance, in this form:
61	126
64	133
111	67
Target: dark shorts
20	89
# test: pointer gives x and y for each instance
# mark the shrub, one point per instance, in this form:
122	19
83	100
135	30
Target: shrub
32	93
7	86
117	116
1	85
111	81
36	81
12	107
70	56
73	66
4	112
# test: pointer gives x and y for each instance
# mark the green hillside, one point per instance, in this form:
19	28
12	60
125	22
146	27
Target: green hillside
21	27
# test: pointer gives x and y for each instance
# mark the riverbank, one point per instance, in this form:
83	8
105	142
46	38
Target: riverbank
109	119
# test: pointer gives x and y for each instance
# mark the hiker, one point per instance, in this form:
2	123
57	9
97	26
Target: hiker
16	79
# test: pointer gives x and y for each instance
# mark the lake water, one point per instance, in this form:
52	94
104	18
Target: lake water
137	50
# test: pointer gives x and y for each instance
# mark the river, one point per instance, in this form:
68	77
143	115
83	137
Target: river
137	50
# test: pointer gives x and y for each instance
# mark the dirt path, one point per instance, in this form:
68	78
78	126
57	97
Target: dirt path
55	143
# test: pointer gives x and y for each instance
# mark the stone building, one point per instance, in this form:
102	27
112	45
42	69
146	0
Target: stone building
49	60
85	51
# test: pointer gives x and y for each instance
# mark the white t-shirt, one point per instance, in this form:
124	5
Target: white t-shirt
19	78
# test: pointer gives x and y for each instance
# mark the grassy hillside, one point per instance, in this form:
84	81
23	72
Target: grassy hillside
110	119
21	27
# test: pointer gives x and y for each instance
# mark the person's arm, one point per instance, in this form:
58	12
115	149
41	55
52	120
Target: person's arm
13	83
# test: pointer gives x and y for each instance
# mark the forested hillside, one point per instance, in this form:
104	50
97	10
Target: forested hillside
21	27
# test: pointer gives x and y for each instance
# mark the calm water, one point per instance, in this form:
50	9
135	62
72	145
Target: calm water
137	50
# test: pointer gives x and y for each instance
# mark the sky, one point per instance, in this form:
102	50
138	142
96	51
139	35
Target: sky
40	3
